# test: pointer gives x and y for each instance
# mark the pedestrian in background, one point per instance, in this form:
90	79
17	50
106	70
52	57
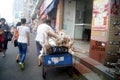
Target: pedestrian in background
15	39
1	39
5	28
23	41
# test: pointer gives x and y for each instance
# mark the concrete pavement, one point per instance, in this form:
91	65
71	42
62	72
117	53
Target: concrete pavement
9	69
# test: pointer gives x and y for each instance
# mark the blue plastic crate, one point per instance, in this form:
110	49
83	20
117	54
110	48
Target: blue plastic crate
57	59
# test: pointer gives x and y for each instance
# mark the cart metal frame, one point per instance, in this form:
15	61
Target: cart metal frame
49	66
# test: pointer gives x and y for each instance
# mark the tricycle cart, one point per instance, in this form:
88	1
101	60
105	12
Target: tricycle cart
55	60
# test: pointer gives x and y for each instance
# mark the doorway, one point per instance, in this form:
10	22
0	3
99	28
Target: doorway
83	20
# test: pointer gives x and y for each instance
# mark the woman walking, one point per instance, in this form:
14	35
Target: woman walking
23	41
5	28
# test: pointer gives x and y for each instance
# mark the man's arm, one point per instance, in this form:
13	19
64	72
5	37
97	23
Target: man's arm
52	33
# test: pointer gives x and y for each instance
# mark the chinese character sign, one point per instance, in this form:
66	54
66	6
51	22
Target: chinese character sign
101	9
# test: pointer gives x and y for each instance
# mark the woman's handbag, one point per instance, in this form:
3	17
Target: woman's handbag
9	36
15	43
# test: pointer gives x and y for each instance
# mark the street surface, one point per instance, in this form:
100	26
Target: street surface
9	69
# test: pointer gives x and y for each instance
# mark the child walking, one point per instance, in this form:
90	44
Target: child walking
15	39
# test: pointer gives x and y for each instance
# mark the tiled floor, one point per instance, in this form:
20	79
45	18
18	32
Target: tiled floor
82	45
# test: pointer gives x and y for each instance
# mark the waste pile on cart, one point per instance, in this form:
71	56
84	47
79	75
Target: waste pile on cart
57	53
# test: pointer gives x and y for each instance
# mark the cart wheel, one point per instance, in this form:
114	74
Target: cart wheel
43	72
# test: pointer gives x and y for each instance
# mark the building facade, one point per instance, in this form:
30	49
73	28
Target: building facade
23	8
86	20
94	21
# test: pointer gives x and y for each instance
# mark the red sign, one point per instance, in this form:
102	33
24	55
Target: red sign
100	14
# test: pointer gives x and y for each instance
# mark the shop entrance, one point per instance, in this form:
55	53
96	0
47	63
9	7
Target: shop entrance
83	20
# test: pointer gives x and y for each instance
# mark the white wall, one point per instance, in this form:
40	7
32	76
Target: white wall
69	17
78	33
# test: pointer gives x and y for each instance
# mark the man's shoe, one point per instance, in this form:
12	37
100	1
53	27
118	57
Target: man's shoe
39	62
21	66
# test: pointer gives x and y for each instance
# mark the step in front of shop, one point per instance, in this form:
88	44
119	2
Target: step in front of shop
88	66
86	72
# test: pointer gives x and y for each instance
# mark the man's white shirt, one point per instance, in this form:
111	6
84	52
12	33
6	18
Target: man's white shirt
42	28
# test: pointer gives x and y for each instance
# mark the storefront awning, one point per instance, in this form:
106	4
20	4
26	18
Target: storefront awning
46	7
52	6
44	11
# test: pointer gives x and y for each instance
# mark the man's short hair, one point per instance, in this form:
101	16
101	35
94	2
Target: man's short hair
48	21
23	20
